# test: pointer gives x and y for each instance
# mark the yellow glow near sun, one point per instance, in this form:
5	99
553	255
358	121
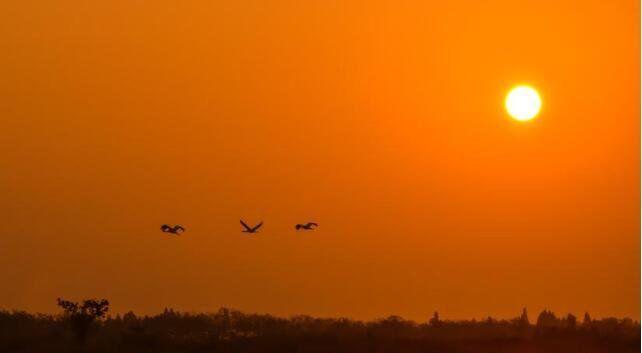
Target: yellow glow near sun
523	103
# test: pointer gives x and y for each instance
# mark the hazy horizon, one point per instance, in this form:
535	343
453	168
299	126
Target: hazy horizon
532	315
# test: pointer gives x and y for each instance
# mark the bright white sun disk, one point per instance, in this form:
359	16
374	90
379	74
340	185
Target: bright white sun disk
523	103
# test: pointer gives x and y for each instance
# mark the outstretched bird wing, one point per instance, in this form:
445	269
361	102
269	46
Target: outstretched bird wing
178	228
257	226
312	224
246	226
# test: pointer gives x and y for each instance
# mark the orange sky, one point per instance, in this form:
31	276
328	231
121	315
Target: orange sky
383	121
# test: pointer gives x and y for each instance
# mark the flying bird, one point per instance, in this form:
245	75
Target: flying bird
177	229
307	226
249	229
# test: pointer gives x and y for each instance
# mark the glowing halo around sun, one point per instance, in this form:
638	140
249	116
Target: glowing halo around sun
523	103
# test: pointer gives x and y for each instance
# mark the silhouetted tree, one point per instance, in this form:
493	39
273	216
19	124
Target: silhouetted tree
224	314
82	316
523	319
547	322
571	322
587	320
435	321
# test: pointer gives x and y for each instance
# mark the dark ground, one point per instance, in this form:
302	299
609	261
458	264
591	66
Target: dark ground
79	329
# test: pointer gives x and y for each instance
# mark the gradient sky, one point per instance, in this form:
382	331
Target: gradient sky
381	120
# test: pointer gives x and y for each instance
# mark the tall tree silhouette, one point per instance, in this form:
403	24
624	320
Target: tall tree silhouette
571	322
435	320
523	319
82	316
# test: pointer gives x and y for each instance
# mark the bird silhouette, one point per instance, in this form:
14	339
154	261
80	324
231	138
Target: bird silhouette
307	226
249	229
177	229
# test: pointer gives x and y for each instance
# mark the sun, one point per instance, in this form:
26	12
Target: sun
523	103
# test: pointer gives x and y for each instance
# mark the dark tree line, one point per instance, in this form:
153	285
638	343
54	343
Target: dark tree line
86	327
